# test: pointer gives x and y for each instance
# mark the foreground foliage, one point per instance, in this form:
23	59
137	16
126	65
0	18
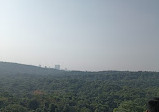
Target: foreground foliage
78	91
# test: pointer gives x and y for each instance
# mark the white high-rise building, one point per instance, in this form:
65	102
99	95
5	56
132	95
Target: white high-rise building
57	67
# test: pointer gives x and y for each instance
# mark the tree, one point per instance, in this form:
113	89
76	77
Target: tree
14	108
34	104
128	106
52	108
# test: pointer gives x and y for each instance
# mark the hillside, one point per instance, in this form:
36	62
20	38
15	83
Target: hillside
15	68
25	88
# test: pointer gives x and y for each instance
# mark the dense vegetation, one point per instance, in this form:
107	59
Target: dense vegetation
74	91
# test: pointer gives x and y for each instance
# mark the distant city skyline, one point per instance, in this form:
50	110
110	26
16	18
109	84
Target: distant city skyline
87	35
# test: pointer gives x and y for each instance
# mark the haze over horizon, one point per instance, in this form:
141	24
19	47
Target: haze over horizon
81	35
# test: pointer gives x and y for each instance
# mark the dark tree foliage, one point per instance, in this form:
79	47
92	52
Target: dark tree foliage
75	91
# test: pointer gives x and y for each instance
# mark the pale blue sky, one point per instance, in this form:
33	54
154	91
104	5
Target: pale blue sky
81	34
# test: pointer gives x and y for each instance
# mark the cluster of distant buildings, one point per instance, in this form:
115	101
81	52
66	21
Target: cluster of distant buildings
57	67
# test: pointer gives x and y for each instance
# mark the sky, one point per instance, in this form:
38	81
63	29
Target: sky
88	35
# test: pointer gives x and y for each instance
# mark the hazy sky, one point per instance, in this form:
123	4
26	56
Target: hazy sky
81	34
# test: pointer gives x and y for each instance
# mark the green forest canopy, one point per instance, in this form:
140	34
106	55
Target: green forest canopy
49	90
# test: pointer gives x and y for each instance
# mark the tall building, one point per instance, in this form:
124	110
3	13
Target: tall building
57	67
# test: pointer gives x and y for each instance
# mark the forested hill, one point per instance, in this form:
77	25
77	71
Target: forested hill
25	88
15	68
